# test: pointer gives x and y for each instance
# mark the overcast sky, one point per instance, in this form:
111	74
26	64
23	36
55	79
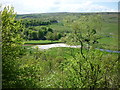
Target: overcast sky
45	6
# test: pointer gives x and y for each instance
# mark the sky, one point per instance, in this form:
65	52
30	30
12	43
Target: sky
48	6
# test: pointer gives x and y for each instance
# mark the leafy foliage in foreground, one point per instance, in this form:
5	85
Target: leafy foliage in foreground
66	69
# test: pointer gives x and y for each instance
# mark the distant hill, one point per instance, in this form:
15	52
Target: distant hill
39	15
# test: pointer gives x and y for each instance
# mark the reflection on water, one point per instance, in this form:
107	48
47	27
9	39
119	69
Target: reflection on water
109	51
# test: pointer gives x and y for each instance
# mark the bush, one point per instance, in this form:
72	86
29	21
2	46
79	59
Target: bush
98	71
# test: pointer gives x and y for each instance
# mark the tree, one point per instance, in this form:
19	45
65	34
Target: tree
0	51
50	29
49	36
34	35
56	36
85	31
40	34
11	29
0	26
89	69
11	42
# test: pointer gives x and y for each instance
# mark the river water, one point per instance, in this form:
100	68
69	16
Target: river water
65	45
55	45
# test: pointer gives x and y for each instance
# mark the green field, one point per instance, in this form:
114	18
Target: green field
110	36
41	42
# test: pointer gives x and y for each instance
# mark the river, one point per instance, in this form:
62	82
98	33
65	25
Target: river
55	45
65	45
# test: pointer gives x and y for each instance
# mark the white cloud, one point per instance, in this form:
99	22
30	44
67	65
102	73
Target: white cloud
88	6
41	6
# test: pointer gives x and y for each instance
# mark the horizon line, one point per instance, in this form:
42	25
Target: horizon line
70	12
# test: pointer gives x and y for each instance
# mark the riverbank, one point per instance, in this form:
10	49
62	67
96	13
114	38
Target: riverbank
41	42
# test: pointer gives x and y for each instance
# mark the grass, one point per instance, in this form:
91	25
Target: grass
109	43
60	28
64	52
27	46
41	42
108	28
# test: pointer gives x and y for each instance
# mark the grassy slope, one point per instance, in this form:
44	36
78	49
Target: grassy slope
110	29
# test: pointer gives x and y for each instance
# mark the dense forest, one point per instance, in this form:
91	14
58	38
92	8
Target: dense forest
60	67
